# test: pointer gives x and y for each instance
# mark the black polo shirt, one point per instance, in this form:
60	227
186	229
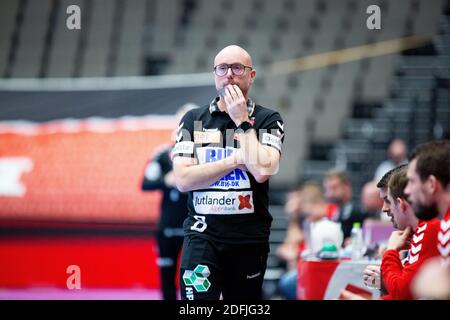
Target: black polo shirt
235	208
173	204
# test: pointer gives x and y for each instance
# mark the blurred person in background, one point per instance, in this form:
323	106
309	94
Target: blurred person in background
304	206
159	176
338	190
290	249
371	203
428	190
397	155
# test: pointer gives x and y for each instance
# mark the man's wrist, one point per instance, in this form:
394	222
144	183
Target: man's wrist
233	161
244	125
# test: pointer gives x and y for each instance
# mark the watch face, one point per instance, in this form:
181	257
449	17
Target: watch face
245	126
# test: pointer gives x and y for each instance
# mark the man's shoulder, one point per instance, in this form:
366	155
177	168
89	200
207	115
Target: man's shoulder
267	118
199	112
266	111
426	234
428	227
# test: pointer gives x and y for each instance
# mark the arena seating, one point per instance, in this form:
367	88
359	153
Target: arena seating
337	115
129	38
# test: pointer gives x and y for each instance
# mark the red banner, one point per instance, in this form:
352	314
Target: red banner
80	170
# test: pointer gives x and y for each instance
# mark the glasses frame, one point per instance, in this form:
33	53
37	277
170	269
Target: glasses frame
230	66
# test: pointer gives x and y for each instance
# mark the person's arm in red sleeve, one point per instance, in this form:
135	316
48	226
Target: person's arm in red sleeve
398	278
395	277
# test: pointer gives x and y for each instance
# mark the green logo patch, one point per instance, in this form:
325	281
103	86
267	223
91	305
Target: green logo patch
198	278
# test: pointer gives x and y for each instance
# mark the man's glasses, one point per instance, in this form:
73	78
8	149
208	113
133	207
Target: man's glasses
237	69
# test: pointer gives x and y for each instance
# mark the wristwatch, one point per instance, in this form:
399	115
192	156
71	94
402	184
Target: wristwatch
245	126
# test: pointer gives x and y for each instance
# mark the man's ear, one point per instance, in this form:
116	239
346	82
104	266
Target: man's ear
252	76
402	203
432	185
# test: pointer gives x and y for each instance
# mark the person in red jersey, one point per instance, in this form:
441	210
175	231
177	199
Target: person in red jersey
428	190
397	276
421	244
372	273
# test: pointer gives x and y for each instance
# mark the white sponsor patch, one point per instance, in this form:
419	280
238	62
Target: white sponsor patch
212	154
184	147
223	202
271	140
236	179
207	137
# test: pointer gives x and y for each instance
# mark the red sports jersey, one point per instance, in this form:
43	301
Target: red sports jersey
443	240
397	277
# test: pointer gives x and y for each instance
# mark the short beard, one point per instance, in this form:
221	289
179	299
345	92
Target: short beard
426	213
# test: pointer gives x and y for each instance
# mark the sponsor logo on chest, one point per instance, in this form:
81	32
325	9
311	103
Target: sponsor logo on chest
223	202
210	136
236	179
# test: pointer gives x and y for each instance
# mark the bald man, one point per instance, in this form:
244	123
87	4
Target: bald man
225	154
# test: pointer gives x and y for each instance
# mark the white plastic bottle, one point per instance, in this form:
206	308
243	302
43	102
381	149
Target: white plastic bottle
357	242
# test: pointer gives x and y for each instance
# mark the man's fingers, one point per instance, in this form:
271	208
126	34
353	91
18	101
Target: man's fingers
373	268
228	92
398	233
369	272
227	97
231	92
238	91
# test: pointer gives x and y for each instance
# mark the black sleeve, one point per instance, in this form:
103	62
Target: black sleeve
154	175
272	133
185	137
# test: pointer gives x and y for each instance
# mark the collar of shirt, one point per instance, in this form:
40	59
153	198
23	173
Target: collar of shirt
447	215
214	107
